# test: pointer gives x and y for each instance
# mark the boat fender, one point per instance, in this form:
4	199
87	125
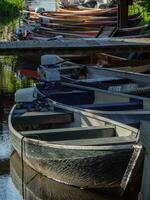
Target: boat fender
40	10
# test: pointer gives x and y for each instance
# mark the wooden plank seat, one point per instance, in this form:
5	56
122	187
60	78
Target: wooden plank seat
31	118
72	97
99	141
90	136
71	133
117	106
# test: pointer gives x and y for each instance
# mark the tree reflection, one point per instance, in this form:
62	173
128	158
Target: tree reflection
8	81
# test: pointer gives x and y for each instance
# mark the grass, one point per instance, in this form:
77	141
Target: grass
10	8
139	8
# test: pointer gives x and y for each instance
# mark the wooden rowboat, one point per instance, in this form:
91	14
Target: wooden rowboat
103	78
86	154
46	20
54	31
89	12
92	12
85	18
126	109
49	33
73	31
133	21
130	32
98	77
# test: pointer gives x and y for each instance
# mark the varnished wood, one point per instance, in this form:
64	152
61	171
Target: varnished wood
138	69
116	61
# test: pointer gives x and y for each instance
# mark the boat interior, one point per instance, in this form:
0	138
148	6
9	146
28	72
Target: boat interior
93	77
63	126
85	98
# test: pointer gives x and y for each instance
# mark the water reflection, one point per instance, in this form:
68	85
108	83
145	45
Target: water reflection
7	27
8	81
39	187
8	85
7	189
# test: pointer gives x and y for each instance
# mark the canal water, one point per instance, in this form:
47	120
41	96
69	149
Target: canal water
11	185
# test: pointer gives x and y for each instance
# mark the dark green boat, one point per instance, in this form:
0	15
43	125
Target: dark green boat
70	145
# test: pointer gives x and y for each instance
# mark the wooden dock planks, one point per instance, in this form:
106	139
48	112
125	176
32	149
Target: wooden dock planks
79	46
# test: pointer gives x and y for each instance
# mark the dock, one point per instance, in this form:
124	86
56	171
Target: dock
76	46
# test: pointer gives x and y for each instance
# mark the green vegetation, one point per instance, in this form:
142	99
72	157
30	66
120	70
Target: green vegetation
147	5
8	82
138	7
10	8
9	14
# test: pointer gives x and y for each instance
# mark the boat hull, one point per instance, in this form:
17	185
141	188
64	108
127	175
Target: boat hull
46	188
82	168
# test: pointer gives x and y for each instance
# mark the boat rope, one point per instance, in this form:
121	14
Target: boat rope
22	164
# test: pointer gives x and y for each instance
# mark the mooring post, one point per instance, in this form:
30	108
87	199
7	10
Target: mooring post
145	138
123	13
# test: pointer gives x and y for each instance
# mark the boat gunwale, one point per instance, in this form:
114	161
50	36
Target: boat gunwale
76	147
106	91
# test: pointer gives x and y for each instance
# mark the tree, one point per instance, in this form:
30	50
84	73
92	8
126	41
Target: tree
147	5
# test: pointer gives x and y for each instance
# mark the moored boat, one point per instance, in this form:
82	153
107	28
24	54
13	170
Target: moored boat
86	154
127	109
65	12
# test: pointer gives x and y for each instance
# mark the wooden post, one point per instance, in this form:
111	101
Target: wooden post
145	138
123	13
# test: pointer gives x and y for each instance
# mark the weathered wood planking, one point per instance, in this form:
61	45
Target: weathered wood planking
115	61
138	69
80	46
145	137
